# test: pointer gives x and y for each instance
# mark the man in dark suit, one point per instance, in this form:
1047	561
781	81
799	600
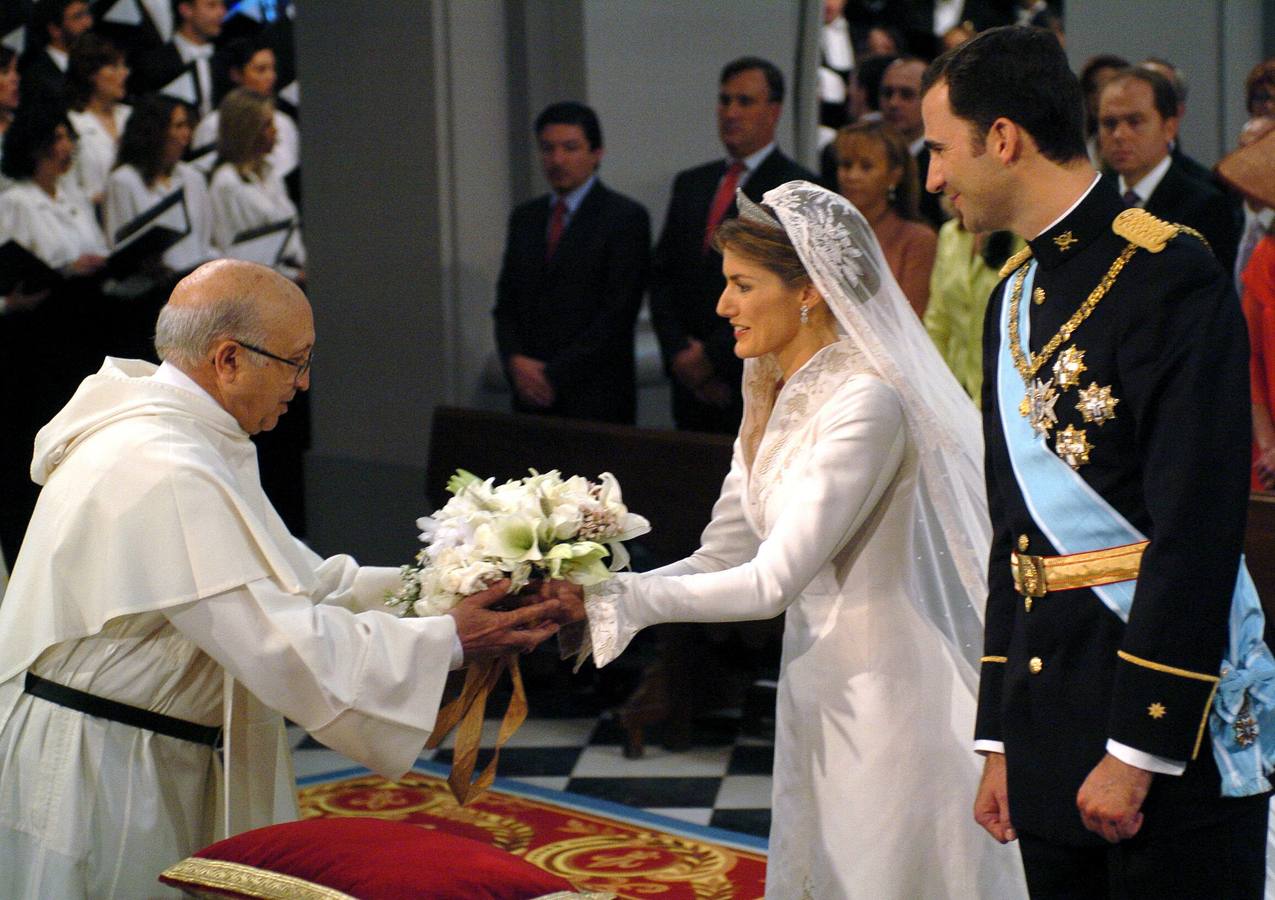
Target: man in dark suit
686	276
55	25
571	284
1123	668
198	26
1137	122
901	107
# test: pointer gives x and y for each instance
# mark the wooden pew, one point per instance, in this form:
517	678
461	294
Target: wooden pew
670	477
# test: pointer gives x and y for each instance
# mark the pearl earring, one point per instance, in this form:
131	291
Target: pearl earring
890	194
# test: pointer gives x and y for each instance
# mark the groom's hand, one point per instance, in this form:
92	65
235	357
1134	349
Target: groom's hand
485	632
1110	800
991	804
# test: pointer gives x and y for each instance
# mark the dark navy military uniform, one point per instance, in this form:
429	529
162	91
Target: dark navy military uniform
1165	358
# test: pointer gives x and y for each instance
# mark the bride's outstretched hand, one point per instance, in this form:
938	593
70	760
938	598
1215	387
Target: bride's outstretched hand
570	597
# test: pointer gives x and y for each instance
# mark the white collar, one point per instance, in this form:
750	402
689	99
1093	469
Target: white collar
1261	220
189	49
59	57
1150	181
169	374
753	160
1079	200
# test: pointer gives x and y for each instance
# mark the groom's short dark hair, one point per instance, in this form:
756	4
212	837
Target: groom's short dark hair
1017	73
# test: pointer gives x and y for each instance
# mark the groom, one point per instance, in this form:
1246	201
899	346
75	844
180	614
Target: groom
1116	428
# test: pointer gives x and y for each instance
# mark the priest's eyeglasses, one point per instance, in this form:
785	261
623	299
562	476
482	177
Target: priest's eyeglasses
301	367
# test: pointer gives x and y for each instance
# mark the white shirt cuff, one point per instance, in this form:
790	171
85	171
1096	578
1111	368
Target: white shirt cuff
986	746
458	654
1138	759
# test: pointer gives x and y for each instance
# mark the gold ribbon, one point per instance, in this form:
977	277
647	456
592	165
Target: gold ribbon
467	711
1034	576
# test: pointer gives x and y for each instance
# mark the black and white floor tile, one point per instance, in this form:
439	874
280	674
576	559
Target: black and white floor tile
723	782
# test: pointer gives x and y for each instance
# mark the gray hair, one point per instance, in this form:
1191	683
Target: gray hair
185	334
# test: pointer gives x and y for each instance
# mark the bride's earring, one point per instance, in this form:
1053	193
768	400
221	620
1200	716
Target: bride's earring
889	194
805	314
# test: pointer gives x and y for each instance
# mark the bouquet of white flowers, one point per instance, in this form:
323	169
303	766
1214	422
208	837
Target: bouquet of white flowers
540	526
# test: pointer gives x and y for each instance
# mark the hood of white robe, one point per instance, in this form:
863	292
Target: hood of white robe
121	389
151	499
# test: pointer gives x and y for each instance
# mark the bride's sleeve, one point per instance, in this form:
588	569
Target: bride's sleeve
858	451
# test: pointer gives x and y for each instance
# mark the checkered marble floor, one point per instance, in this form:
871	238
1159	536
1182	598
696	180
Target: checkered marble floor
723	782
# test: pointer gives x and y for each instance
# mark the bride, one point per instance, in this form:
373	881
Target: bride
855	504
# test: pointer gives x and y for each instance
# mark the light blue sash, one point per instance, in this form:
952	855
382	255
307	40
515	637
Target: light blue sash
1076	519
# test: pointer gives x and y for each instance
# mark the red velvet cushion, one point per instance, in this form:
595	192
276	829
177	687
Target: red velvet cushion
371	859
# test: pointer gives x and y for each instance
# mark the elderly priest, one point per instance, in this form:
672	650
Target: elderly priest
159	608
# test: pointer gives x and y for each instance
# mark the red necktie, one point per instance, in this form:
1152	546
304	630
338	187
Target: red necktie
555	227
722	200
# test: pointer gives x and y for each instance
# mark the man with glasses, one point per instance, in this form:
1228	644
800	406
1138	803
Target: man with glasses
159	603
901	107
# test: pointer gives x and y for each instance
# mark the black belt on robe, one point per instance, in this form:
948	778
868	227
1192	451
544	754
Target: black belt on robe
115	711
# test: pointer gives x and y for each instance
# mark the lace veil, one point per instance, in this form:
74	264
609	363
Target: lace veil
946	562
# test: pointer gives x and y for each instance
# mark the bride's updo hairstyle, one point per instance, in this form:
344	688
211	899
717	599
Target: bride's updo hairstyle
766	245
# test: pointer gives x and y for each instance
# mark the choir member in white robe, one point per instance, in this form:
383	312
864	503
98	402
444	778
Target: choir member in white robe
246	192
96	83
55	224
854	504
156	574
150	169
252	66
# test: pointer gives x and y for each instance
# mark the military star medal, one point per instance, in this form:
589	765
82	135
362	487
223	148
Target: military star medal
1072	445
1038	406
1065	240
1246	730
1096	404
1067	368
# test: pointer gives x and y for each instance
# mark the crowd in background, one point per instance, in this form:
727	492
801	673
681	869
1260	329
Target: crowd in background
132	150
873	151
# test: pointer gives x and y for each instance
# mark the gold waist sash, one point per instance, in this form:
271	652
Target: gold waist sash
1035	576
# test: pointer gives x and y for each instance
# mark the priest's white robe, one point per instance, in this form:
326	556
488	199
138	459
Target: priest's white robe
156	573
874	777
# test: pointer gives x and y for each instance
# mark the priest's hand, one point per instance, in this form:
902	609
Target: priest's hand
1110	800
485	632
991	803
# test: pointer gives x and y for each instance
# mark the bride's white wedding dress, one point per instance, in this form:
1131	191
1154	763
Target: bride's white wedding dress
837	511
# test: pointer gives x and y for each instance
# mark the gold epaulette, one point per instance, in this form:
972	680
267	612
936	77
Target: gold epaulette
1015	261
1141	228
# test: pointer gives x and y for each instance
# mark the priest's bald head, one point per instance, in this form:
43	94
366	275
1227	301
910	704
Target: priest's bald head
245	334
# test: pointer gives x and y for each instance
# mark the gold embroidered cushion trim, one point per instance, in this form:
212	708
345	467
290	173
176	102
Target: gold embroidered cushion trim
247	881
1035	576
220	876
